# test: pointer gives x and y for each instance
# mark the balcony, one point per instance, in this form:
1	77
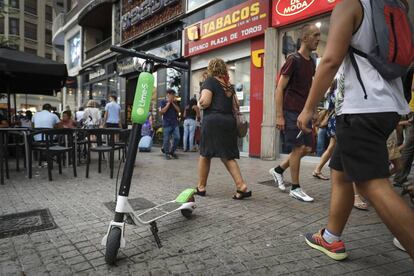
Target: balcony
98	48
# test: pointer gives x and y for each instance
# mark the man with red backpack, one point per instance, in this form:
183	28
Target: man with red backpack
370	103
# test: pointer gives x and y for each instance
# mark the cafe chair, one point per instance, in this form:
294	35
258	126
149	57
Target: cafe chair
102	140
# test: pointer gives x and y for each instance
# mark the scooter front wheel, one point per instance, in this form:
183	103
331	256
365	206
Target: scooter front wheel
112	245
187	213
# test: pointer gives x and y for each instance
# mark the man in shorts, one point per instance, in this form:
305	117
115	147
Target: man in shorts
363	124
291	93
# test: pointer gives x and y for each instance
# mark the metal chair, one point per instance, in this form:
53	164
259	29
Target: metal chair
55	142
104	138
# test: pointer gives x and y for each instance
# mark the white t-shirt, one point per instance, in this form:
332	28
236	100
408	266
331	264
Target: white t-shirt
382	95
45	119
79	115
92	116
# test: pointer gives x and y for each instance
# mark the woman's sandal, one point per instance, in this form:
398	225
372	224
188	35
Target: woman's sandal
200	193
240	195
360	204
319	175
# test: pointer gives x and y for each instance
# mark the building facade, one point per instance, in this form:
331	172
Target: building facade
83	31
26	25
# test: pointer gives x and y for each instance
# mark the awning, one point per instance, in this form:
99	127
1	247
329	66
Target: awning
26	73
96	13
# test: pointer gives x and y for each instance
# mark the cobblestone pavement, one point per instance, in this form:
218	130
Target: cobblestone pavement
259	236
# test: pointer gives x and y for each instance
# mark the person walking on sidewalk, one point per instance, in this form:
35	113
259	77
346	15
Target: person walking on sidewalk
291	93
191	115
330	131
112	117
218	130
407	153
170	111
363	123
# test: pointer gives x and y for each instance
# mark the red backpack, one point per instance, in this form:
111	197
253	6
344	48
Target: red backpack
394	45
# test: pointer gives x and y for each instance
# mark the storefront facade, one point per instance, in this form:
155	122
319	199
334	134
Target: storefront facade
154	29
236	36
282	39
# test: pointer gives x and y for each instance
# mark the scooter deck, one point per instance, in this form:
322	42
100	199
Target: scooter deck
158	212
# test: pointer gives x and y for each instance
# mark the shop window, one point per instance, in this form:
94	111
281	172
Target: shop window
14	3
30	6
30	50
49	13
14	26
48	36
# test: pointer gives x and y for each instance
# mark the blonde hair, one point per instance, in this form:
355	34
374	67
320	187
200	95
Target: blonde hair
217	68
91	103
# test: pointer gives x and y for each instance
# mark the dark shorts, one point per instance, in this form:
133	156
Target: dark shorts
291	131
110	125
361	150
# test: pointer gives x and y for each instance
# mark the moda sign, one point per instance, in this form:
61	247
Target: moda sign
286	8
236	24
289	11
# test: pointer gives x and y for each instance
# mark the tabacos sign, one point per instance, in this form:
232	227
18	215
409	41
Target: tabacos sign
238	23
289	11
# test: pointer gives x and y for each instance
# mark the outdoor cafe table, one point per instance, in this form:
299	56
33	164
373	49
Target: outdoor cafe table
3	132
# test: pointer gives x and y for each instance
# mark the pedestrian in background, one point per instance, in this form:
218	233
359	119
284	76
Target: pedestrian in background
92	116
218	130
26	121
291	93
170	111
79	114
191	116
112	117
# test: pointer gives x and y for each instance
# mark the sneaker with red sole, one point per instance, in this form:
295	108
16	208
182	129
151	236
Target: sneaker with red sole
335	250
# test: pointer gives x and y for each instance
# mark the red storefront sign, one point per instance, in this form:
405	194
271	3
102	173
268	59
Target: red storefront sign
241	22
289	11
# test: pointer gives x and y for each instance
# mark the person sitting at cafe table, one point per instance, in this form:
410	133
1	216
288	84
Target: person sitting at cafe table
67	121
3	121
45	118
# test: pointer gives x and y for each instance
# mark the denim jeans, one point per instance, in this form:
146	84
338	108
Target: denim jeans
189	131
167	132
321	142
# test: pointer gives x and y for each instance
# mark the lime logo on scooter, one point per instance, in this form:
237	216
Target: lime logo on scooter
142	99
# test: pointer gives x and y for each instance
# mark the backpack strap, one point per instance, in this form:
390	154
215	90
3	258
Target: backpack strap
352	52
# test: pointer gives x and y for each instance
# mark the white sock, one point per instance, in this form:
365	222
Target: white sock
329	237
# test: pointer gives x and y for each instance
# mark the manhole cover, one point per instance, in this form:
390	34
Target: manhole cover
26	222
138	203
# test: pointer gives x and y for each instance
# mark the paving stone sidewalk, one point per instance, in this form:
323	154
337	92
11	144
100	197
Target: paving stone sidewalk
258	236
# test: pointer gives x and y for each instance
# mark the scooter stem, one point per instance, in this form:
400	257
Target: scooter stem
129	166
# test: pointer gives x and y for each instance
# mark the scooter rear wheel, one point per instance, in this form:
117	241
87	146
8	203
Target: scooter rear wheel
187	213
112	245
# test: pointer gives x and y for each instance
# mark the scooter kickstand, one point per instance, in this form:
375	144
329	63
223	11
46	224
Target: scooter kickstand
154	230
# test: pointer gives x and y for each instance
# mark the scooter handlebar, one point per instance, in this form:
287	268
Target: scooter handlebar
134	53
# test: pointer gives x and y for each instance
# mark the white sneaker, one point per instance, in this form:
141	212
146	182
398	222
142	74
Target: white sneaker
278	179
300	194
398	244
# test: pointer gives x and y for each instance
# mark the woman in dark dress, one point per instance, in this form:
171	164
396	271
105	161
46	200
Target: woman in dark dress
218	129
